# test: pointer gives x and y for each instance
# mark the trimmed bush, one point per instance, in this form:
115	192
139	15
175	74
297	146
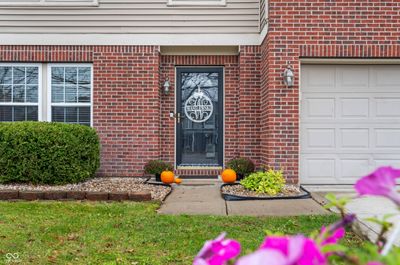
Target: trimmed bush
47	153
156	167
242	166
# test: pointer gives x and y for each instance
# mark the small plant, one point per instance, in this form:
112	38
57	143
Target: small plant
270	182
242	166
156	167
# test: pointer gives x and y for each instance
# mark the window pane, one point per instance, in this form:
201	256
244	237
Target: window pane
32	114
18	113
84	94
80	115
71	75
84	75
84	115
70	94
5	75
5	93
19	94
57	75
57	114
31	93
71	115
19	75
5	113
32	75
57	94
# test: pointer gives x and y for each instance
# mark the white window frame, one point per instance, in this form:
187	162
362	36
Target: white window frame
81	104
39	104
57	3
196	3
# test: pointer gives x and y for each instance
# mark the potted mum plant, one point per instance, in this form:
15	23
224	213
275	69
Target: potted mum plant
156	167
242	166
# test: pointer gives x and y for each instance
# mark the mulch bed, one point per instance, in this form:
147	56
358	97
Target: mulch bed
97	189
236	192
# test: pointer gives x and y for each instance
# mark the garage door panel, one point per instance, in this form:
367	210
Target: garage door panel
385	77
319	79
387	138
319	108
354	138
387	107
351	125
356	107
349	77
318	169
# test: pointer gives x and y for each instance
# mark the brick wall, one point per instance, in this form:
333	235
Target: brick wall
317	29
168	64
241	104
126	107
132	116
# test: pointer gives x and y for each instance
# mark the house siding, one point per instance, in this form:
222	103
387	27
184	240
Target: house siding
133	16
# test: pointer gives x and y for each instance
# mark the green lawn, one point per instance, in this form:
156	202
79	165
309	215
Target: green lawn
126	233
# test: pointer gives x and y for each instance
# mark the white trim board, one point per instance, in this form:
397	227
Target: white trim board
131	39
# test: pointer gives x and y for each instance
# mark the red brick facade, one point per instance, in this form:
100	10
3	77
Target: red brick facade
315	29
261	114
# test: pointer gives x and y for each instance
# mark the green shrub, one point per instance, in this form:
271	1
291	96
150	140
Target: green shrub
156	167
47	153
241	165
270	182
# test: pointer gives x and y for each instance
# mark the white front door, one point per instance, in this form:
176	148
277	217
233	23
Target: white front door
349	121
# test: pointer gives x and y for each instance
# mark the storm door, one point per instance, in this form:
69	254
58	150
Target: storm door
199	140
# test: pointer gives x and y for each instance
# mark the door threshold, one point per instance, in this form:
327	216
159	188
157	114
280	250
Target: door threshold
199	167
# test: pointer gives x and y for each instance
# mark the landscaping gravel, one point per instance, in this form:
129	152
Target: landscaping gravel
239	190
133	185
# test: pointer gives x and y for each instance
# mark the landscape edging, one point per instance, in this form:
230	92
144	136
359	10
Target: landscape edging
230	197
58	195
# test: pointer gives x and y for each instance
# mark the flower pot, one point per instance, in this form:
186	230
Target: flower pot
158	177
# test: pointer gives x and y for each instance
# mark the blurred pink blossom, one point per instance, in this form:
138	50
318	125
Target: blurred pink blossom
217	251
381	182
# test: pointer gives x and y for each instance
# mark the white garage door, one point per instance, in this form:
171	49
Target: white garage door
350	121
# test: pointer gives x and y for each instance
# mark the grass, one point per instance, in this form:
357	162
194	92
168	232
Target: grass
127	233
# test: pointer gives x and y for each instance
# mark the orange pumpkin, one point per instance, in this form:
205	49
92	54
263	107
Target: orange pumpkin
167	177
228	175
178	181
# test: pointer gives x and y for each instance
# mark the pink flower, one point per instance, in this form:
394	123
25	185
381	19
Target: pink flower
374	263
263	257
333	237
217	251
381	182
295	250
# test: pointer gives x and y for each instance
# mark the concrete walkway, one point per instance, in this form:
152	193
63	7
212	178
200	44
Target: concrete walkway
204	198
364	208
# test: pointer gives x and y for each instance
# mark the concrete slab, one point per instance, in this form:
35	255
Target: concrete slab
206	199
275	208
196	200
366	207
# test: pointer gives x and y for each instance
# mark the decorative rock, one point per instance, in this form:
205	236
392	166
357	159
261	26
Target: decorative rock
31	195
118	196
8	195
55	195
140	196
97	196
76	195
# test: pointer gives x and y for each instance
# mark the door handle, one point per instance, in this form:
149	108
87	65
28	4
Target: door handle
178	117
